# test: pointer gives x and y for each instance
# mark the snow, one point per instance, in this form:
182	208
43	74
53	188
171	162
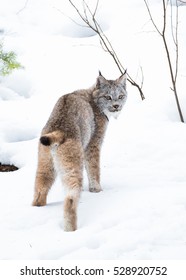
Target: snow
141	213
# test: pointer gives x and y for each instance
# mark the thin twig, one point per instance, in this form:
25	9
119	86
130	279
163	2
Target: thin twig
176	42
81	25
151	18
95	11
183	2
22	8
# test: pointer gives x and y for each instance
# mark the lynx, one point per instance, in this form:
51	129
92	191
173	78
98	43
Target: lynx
72	138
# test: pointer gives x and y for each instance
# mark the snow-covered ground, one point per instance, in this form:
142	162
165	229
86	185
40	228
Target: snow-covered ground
141	213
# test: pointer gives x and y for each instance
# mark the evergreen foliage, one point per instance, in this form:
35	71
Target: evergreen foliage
8	62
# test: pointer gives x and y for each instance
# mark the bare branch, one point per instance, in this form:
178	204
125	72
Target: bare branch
142	77
164	17
81	25
183	2
22	8
79	13
175	40
97	4
172	25
151	18
85	11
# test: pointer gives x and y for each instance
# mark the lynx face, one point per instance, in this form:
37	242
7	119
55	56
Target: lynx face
111	95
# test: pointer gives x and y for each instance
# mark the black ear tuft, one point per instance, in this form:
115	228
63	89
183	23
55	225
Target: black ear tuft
45	140
100	73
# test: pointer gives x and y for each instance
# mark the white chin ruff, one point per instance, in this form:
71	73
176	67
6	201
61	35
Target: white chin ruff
112	114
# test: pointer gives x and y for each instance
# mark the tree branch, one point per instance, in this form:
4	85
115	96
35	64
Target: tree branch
175	40
22	8
151	18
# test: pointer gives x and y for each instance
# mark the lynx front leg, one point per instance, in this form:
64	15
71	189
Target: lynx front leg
92	165
45	176
70	156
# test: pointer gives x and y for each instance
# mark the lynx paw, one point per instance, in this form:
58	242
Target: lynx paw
96	188
36	203
69	227
39	200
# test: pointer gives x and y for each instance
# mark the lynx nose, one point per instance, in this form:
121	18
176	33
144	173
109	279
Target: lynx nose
116	106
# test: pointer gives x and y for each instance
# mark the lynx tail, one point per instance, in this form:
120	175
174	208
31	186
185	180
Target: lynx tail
56	137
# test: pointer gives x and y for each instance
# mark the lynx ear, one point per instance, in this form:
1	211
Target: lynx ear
123	79
100	80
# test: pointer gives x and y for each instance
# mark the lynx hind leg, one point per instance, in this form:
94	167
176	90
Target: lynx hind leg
92	165
70	210
45	176
70	155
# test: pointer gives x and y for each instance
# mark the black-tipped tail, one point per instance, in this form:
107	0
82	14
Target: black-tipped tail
55	137
45	140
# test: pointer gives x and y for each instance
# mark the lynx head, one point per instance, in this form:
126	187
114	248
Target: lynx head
110	95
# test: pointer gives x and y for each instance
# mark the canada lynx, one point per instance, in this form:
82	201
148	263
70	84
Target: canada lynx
72	136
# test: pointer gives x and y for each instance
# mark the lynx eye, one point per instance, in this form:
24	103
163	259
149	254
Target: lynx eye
121	96
108	97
